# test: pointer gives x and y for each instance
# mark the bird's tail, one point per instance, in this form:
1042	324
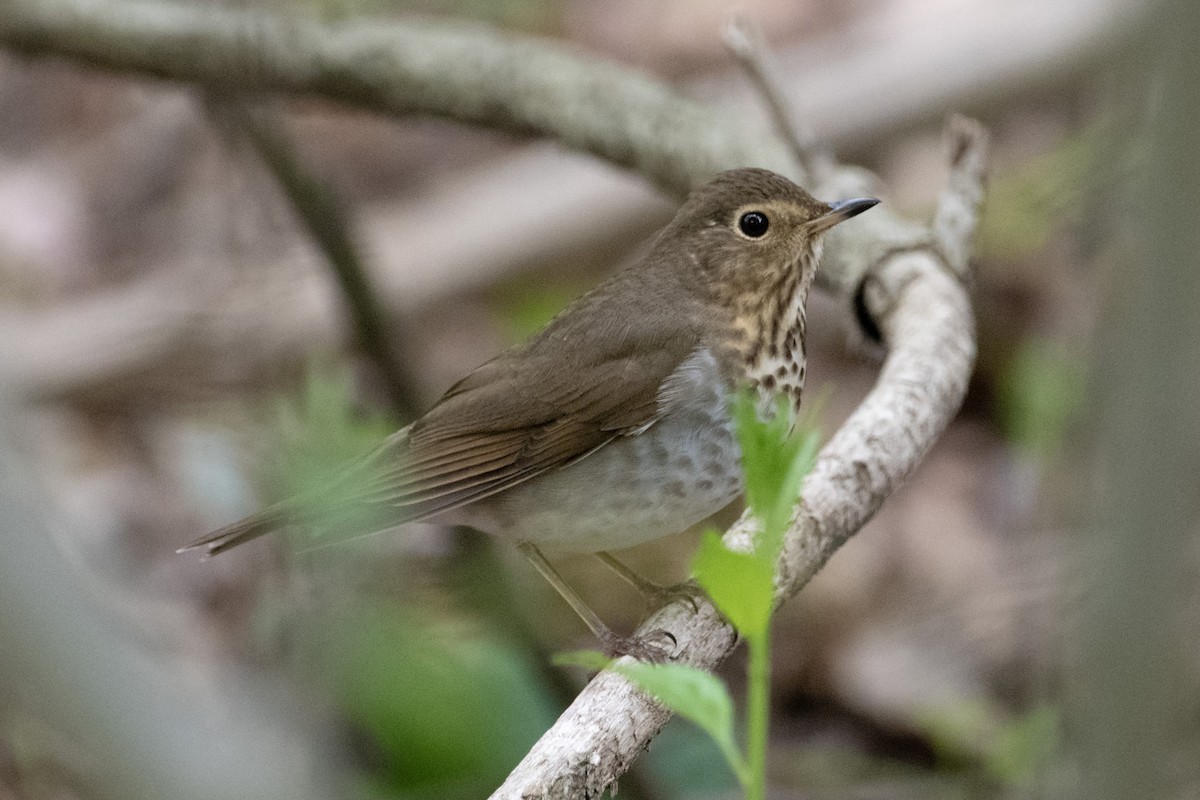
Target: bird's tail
355	502
242	531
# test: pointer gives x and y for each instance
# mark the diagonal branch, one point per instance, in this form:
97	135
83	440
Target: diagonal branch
322	217
924	317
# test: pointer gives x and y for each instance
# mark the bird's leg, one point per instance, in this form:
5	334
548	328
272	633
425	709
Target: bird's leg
688	590
652	648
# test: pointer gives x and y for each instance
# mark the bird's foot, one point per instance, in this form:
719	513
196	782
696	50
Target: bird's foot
655	647
688	590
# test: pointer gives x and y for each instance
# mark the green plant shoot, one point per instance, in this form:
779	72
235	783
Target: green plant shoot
698	696
777	453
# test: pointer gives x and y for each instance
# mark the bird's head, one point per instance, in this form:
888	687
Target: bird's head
749	241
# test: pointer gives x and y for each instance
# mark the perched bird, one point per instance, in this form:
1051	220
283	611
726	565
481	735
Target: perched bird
611	426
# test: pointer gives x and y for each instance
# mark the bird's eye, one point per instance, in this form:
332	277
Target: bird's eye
754	224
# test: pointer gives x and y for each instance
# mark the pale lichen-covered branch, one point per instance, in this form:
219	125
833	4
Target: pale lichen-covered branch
924	317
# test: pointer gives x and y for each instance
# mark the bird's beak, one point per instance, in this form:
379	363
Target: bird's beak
840	212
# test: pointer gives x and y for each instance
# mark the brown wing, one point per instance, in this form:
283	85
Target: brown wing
519	416
592	375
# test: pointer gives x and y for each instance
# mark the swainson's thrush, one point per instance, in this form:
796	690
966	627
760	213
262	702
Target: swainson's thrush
611	426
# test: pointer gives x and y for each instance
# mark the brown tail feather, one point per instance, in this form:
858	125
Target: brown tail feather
239	532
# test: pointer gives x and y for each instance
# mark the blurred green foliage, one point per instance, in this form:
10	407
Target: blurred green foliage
1029	203
1005	750
525	305
686	764
1041	393
321	430
450	714
447	712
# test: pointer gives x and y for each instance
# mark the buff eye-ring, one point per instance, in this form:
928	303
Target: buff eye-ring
754	224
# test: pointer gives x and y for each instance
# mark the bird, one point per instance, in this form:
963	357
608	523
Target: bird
612	425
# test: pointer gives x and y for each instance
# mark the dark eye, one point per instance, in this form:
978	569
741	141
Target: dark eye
753	223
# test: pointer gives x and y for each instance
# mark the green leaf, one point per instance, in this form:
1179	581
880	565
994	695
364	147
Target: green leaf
1023	747
692	693
741	584
777	452
322	449
446	713
695	695
801	452
1013	751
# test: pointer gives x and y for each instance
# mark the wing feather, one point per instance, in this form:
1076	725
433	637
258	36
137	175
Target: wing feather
594	374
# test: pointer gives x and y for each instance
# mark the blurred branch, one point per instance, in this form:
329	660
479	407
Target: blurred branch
324	221
745	39
147	727
862	83
467	73
1134	698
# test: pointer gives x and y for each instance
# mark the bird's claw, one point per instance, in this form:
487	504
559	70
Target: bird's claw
655	647
688	591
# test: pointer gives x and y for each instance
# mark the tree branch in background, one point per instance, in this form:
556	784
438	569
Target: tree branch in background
855	86
323	219
463	72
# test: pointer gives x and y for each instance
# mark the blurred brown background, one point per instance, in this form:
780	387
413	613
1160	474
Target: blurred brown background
174	353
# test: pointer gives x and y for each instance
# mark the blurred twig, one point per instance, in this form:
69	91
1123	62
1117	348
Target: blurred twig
321	215
746	41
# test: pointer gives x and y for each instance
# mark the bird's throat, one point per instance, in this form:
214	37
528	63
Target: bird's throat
774	335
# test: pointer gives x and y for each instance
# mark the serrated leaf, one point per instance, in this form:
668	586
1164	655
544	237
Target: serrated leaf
777	452
742	585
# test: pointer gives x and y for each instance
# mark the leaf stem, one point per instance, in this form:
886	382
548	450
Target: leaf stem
757	715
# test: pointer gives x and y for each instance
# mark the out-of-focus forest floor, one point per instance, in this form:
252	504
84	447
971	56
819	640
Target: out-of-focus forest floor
925	660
